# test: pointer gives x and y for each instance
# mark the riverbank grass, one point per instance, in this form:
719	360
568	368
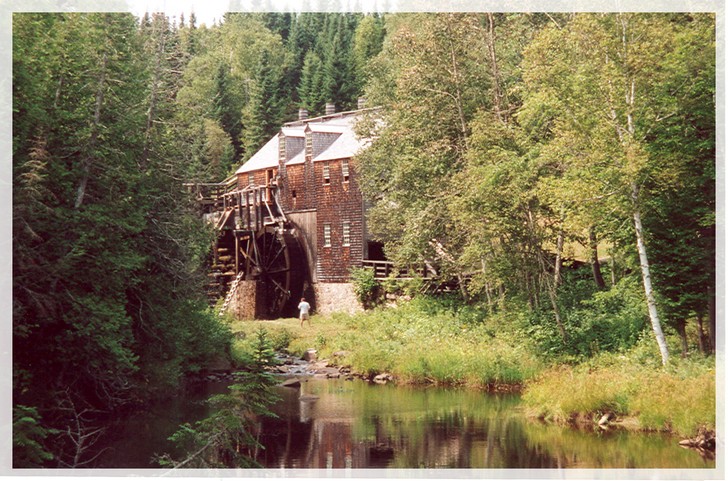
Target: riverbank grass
428	342
679	398
420	342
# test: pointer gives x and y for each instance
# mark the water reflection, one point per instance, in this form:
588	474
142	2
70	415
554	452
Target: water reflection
134	440
344	424
352	424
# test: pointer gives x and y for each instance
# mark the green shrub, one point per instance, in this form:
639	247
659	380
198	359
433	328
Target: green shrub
607	321
281	339
28	438
366	287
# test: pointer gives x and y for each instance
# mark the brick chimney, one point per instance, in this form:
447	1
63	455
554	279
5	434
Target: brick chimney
330	108
302	114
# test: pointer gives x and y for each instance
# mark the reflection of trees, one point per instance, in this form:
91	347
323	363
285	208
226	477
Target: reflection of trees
456	439
362	426
610	449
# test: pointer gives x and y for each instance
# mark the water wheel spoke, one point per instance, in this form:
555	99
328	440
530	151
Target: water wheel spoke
255	258
279	271
271	262
279	286
273	259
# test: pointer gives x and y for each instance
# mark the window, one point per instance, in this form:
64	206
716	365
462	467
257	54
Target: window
347	234
327	174
251	178
327	235
345	169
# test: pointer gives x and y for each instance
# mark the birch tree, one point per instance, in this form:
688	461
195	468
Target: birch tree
600	81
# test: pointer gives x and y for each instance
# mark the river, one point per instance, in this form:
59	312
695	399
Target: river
353	424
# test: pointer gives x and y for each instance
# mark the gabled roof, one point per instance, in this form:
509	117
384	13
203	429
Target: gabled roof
345	146
292	132
327	129
299	158
265	158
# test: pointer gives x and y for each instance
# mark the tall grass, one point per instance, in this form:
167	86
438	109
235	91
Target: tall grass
433	342
423	341
679	398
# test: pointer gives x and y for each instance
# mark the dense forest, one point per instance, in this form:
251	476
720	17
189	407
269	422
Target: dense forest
519	151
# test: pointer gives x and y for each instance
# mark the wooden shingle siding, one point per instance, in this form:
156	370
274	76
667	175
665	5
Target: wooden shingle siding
338	202
300	152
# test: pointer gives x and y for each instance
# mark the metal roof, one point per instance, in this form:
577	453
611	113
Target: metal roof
265	158
345	146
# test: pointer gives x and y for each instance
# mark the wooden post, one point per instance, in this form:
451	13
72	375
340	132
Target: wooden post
240	206
256	212
259	206
237	254
247	210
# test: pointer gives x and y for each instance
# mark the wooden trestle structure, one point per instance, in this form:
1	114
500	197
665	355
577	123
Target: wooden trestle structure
255	242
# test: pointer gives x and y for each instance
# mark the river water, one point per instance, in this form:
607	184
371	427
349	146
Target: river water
354	424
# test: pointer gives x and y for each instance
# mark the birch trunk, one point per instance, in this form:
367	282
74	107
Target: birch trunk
701	332
647	280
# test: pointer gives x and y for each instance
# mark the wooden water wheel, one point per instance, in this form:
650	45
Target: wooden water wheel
274	258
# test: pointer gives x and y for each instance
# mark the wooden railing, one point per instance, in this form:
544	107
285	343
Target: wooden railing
386	270
253	206
211	196
432	282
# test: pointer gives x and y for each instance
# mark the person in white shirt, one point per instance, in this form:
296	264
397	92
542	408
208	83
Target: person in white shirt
303	308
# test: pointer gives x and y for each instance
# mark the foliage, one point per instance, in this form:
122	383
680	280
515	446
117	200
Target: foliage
496	152
228	437
605	321
504	141
29	435
366	286
263	354
107	249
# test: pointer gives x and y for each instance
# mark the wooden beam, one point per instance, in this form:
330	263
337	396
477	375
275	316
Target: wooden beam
237	253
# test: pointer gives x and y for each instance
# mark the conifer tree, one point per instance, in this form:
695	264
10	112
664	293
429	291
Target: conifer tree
263	113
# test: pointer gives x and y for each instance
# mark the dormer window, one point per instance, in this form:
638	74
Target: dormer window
309	142
281	148
345	170
327	173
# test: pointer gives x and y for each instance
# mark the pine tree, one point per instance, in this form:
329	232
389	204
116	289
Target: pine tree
262	115
311	89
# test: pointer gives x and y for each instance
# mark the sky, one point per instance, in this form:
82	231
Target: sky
206	11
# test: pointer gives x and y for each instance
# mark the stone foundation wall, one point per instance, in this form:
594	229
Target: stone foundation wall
244	304
248	303
336	297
